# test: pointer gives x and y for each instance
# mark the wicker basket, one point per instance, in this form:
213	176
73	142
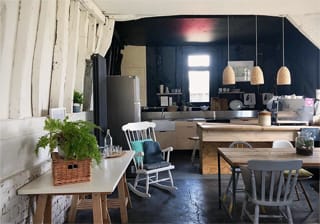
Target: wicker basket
70	171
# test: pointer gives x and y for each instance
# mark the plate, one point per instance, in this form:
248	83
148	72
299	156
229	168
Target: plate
115	154
236	105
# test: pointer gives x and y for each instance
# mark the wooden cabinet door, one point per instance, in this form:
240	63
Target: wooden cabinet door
184	130
166	138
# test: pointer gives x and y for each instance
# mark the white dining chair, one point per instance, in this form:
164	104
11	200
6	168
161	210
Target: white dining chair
303	173
268	185
227	195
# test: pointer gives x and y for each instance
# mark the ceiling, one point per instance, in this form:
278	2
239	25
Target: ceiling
198	30
304	15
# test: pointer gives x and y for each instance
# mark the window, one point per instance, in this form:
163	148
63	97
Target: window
199	78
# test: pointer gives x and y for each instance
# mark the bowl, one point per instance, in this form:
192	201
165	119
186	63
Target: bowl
204	107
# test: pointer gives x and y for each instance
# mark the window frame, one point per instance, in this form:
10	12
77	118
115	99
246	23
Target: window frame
199	68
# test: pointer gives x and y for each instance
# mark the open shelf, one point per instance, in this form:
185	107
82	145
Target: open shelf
231	93
169	94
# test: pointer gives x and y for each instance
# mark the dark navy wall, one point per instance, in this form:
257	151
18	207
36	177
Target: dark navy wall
167	65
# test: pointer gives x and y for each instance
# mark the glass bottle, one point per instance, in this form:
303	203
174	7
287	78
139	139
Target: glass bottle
108	143
108	139
305	144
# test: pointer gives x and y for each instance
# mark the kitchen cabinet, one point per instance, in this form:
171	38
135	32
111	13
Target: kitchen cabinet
184	130
166	138
178	138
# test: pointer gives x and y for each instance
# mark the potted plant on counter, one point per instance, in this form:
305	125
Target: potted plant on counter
77	101
77	147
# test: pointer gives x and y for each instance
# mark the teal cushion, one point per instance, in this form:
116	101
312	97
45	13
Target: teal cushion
137	146
152	152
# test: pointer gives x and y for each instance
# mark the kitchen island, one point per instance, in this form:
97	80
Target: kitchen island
214	135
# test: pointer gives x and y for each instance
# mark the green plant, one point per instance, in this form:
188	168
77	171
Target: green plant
77	97
74	139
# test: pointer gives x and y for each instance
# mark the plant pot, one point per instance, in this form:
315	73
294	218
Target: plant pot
304	145
76	108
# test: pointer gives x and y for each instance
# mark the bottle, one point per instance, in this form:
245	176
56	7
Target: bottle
108	139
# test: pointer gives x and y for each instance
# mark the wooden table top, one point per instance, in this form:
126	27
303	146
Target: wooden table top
241	156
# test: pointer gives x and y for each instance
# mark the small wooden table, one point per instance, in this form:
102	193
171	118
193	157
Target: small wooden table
104	179
236	157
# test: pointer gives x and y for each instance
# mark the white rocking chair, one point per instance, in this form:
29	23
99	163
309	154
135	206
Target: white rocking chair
148	173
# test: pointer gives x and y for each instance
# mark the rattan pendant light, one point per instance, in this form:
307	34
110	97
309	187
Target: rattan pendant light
283	75
256	73
228	76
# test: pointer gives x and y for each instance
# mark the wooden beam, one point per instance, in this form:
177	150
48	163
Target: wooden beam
82	52
8	27
88	87
20	88
105	38
60	59
42	60
74	23
93	10
92	32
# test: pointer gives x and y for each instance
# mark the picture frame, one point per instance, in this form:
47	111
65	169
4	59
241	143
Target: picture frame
242	70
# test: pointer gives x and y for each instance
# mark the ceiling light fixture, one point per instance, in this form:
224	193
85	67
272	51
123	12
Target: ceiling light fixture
228	76
256	73
283	75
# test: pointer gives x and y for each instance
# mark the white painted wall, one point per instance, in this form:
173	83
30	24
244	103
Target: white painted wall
28	39
134	63
8	28
303	14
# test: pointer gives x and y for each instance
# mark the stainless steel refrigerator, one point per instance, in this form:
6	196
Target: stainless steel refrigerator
123	105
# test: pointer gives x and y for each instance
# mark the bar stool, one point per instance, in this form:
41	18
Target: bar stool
196	147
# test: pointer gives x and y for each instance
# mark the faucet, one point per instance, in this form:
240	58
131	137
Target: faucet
162	113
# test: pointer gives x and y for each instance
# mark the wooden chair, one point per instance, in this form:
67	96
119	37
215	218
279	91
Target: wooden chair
151	163
267	185
228	192
303	174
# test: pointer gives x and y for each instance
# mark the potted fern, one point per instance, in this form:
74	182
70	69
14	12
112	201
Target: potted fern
77	101
77	146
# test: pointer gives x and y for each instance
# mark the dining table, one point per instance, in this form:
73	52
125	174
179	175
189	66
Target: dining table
105	178
237	157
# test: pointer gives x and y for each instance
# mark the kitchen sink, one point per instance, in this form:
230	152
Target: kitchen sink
164	125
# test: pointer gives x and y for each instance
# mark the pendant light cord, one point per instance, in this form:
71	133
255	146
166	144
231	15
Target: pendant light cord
282	41
256	41
228	41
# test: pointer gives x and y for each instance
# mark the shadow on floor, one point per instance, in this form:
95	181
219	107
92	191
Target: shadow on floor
196	200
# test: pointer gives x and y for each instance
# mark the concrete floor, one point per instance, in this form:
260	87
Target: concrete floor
196	201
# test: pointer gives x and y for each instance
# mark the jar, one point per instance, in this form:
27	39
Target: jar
305	144
265	118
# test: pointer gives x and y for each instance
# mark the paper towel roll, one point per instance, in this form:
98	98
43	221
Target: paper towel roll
318	94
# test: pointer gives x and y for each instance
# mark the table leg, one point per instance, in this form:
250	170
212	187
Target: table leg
234	186
127	192
41	208
73	208
122	200
219	179
97	208
105	212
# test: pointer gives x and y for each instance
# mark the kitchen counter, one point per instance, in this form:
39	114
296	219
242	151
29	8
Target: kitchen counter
214	135
196	115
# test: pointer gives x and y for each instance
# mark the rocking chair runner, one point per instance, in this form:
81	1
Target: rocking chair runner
151	163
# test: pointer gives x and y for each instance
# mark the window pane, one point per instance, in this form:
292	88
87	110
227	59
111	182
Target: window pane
199	86
198	60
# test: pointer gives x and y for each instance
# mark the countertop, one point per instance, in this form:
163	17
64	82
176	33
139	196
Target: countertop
245	127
